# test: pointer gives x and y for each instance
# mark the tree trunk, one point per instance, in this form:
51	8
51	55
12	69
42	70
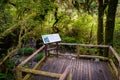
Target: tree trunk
100	30
110	22
100	23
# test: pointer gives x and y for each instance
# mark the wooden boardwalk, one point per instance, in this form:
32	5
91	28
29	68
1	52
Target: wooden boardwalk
82	69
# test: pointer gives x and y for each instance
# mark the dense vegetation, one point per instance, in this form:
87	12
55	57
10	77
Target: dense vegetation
22	22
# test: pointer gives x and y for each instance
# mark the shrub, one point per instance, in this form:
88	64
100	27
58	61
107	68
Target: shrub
40	56
3	76
28	51
25	51
21	51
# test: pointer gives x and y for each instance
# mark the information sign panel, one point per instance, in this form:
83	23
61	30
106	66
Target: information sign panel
50	38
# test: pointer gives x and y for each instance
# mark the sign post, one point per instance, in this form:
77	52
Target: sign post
51	38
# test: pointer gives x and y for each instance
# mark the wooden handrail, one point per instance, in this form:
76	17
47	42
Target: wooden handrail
85	45
44	73
85	56
35	67
68	69
114	53
66	73
111	49
30	57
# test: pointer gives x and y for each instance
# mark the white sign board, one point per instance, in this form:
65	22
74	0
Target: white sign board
51	38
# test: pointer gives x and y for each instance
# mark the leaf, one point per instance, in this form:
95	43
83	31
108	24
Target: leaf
3	76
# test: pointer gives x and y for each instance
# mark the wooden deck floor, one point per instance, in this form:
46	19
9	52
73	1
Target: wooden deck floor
82	69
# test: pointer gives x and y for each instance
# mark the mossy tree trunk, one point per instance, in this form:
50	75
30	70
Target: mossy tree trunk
110	22
100	31
100	22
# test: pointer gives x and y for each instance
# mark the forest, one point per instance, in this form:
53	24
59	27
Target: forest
22	22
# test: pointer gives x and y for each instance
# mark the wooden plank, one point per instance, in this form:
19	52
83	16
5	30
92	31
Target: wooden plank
85	56
54	48
19	73
66	73
89	56
50	74
61	65
99	71
82	69
35	67
106	71
85	45
30	57
89	71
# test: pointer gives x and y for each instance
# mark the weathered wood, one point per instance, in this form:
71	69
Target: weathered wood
19	73
85	56
35	67
114	53
78	50
113	67
57	46
85	45
50	74
49	49
119	71
46	52
69	76
82	69
66	73
30	57
91	56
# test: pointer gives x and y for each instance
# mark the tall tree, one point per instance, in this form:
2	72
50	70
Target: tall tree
100	22
110	22
102	4
100	31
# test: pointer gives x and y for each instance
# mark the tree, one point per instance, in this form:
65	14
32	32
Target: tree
100	31
110	22
100	22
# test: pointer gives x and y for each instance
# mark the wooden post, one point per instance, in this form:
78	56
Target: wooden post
57	49
119	72
69	76
46	52
78	51
109	53
19	73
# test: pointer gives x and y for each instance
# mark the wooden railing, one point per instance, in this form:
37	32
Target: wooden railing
20	69
89	46
67	72
112	52
20	66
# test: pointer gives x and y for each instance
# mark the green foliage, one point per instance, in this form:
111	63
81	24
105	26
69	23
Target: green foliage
69	39
81	30
117	31
28	51
40	56
25	51
21	51
9	73
3	76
